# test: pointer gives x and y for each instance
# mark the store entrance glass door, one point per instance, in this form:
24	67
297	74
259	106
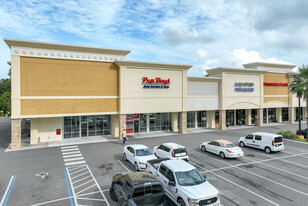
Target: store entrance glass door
84	129
136	125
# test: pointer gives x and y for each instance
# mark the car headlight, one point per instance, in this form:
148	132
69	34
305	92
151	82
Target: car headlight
192	202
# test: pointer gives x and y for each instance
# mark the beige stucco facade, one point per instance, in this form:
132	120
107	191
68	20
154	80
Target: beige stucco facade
93	90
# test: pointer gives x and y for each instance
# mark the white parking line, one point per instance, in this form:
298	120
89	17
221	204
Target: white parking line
69	150
267	165
295	141
294	153
69	147
236	184
84	168
73	155
290	188
68	153
75	163
73	159
123	165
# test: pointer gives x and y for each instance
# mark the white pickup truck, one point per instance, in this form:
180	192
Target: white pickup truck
183	182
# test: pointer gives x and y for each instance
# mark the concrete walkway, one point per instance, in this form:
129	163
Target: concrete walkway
25	145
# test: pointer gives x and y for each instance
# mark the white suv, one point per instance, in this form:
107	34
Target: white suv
171	151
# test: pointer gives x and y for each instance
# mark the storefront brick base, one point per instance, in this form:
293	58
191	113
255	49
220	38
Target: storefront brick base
16	134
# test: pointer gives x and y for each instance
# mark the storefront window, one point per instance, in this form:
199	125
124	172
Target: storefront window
190	119
240	116
285	114
230	117
264	115
160	121
201	118
272	115
253	116
86	126
143	122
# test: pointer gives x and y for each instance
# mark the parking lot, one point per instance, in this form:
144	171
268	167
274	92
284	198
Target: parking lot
255	179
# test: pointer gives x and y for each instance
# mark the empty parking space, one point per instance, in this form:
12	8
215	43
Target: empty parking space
267	177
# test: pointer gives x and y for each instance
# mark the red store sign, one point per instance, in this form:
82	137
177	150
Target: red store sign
276	84
155	83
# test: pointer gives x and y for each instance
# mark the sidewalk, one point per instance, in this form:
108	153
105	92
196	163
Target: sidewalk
25	145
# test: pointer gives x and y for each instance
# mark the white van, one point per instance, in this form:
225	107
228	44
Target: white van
261	140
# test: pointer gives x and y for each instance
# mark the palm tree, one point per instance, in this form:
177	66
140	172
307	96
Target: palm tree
299	86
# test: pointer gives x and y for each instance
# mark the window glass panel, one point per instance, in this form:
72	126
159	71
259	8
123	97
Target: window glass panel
258	137
143	122
147	189
138	192
157	189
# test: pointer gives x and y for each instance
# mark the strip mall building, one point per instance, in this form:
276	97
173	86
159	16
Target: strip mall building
73	92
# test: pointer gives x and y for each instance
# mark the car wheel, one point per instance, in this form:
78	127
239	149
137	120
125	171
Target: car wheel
136	166
222	155
267	150
181	202
203	148
242	144
124	156
112	194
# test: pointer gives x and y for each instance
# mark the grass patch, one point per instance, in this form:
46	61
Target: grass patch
291	135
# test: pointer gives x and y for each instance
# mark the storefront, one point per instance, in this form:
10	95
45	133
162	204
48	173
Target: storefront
87	92
86	126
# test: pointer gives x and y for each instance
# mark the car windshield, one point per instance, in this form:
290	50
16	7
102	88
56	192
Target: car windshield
278	139
180	150
143	152
230	145
188	178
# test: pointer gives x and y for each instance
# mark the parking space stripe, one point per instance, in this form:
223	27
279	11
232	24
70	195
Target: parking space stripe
236	184
73	155
73	159
80	169
68	153
82	179
75	163
8	191
73	168
290	188
68	188
69	150
69	147
267	165
80	174
123	165
84	183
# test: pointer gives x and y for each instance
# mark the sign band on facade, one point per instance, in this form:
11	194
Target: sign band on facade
155	83
276	84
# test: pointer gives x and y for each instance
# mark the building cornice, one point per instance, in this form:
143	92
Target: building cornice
62	47
152	65
220	70
266	64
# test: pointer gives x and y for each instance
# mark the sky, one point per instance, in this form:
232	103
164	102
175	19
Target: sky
202	33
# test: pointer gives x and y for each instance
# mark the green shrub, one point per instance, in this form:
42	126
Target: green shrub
288	134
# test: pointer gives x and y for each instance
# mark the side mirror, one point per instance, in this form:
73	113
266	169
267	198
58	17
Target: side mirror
171	183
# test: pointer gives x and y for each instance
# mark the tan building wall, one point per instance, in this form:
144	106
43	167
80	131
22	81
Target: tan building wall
44	129
56	77
276	78
232	99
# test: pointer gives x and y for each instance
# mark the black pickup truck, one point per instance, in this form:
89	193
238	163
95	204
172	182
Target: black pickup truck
138	189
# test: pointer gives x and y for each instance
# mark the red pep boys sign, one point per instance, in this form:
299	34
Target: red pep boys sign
155	83
276	84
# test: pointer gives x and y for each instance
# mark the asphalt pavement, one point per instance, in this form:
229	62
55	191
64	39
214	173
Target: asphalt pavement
43	177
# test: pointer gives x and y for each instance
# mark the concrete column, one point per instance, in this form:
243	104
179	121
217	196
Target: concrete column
183	119
196	119
266	114
279	114
248	116
234	115
115	125
148	123
210	119
222	119
174	122
259	118
15	134
122	125
34	138
304	114
23	124
292	114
